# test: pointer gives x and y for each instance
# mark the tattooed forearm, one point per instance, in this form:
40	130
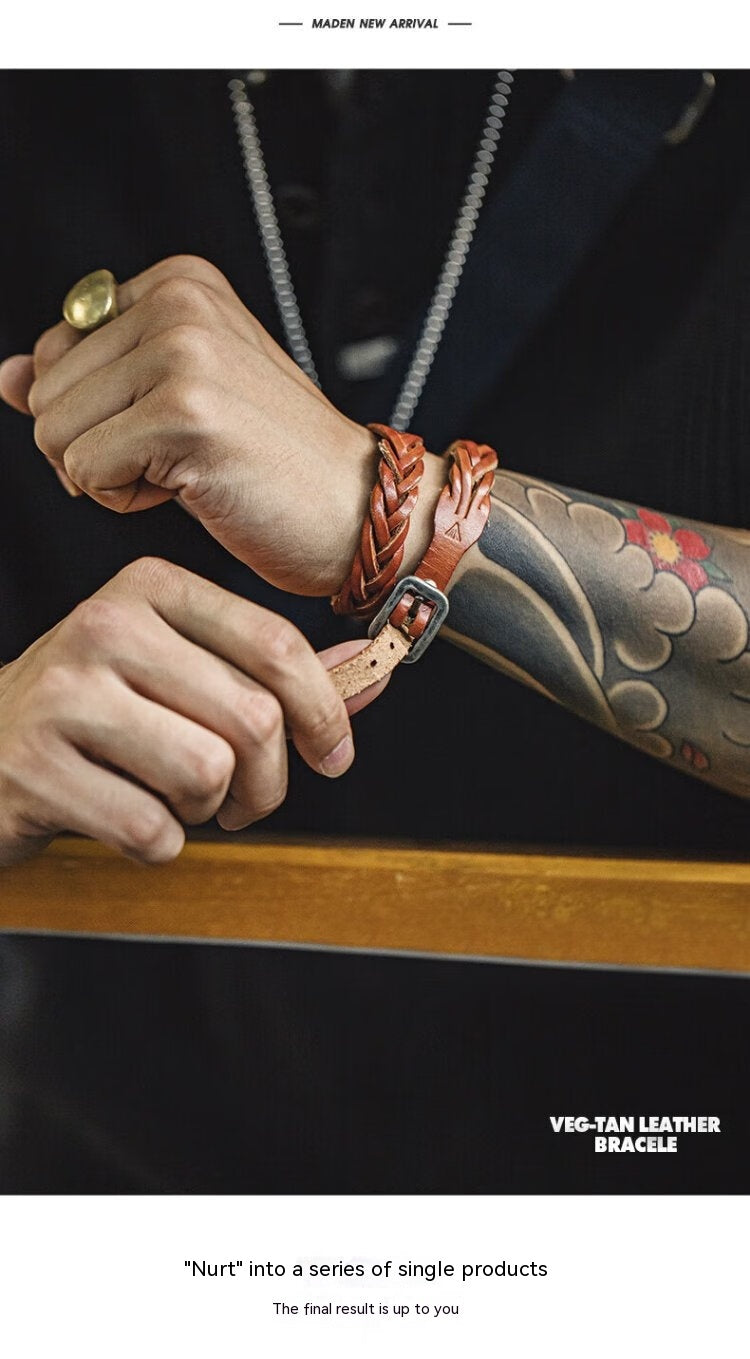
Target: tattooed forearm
632	619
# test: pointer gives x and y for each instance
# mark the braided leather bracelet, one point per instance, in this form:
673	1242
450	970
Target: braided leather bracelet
417	606
381	547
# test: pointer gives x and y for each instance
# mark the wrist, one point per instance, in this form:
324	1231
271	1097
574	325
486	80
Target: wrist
358	454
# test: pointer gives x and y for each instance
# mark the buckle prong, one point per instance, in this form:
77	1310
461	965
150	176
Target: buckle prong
424	592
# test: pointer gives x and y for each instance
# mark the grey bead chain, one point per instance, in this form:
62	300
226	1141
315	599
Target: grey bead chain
268	226
451	268
455	258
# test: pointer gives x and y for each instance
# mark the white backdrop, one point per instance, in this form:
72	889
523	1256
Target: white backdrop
105	1278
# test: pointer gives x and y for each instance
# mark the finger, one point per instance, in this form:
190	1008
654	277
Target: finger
173	292
62	360
53	344
16	377
227	705
282	660
275	653
73	794
261	645
118	462
136	459
164	667
174	266
16	380
61	339
171	304
95	399
160	299
189	765
262	777
109	390
164	285
111	809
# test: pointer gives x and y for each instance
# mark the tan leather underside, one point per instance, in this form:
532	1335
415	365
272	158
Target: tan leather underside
373	664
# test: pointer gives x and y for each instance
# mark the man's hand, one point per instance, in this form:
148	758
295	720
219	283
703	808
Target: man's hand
161	700
185	395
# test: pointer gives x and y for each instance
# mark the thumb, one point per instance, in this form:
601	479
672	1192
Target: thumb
16	377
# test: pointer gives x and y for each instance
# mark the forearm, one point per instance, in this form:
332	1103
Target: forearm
637	622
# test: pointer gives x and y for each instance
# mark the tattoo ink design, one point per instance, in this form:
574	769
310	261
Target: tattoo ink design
672	548
632	619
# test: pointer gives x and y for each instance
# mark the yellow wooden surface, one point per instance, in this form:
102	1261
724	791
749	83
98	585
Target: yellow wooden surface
636	912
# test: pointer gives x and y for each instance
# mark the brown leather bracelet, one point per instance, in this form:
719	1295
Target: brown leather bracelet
381	548
417	606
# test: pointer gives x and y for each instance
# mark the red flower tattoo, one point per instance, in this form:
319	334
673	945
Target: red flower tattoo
680	551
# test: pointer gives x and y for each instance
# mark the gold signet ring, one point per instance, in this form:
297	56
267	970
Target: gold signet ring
92	301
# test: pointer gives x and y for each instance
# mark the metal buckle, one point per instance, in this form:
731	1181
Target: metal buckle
424	592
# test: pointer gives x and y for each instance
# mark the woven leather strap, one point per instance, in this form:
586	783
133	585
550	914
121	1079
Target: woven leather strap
460	516
384	531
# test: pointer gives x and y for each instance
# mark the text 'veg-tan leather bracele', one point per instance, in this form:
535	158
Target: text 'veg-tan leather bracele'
416	607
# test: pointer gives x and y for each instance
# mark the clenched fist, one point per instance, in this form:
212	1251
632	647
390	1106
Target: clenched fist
185	395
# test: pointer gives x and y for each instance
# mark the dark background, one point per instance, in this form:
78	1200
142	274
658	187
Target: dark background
176	1069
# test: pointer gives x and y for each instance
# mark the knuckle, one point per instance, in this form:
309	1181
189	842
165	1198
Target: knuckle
179	295
185	344
54	689
145	832
281	643
79	458
194	266
148	575
325	722
210	769
185	400
97	621
262	715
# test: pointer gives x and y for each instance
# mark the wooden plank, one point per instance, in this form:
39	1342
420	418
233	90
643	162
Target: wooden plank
635	912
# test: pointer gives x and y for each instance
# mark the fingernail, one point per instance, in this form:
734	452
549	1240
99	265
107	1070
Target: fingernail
339	759
67	484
